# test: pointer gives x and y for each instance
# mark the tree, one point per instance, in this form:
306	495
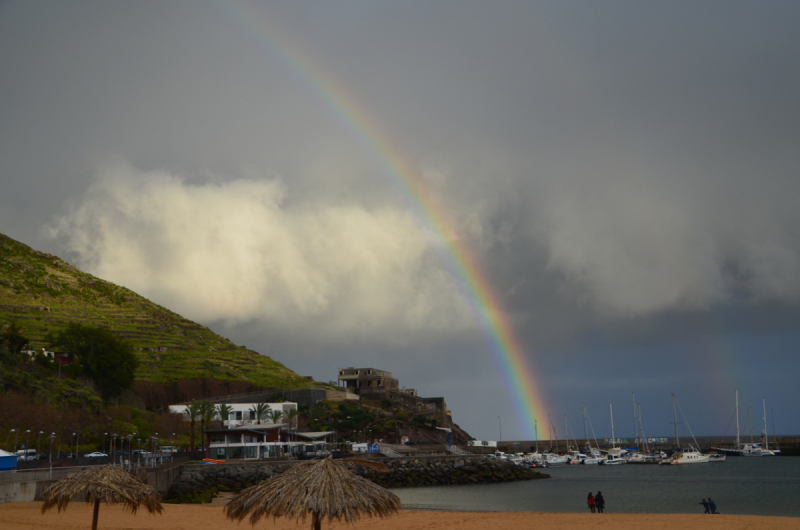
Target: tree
12	338
193	411
291	414
105	358
224	410
206	412
275	416
260	410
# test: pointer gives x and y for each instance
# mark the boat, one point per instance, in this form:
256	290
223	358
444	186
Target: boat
716	457
614	456
593	454
685	455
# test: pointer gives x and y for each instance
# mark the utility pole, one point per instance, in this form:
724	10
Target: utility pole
52	437
500	428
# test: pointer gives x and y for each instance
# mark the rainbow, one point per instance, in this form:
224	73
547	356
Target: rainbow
508	354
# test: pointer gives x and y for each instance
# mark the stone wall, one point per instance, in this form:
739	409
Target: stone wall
402	472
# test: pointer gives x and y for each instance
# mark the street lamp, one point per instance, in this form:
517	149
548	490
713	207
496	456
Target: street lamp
76	445
38	437
113	453
138	450
27	436
52	437
15	439
104	441
500	427
129	449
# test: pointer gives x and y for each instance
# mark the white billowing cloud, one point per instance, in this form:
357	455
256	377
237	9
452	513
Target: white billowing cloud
236	251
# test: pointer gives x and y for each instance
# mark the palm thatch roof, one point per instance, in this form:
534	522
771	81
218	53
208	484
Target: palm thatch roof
323	488
106	484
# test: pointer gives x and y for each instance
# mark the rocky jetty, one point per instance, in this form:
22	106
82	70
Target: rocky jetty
403	472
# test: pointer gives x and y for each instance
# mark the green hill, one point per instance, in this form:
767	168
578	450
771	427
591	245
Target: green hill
41	293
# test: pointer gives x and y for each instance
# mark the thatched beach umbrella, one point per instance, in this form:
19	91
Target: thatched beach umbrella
108	484
323	488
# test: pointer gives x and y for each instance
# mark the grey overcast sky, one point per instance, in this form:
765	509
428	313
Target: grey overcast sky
625	174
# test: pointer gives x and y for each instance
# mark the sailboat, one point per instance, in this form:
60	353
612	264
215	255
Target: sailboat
614	457
593	455
737	448
686	455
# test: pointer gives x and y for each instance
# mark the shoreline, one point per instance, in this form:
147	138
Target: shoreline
27	516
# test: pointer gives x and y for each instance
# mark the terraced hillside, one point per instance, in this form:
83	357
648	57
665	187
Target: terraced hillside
42	292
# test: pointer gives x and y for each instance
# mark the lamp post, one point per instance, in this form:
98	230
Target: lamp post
52	437
129	437
172	444
27	437
15	439
500	427
38	437
104	441
113	446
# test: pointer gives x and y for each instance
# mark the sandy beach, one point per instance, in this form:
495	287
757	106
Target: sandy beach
27	516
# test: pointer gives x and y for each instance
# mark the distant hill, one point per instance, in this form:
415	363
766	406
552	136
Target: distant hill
42	292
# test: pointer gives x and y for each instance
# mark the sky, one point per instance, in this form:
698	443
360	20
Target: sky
610	189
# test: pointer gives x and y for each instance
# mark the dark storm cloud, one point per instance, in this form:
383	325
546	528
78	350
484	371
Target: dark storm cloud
625	173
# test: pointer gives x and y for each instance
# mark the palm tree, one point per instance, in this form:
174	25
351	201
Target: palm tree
324	488
108	484
260	410
224	410
275	416
207	413
193	411
291	416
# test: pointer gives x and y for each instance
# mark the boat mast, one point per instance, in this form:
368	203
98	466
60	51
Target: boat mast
635	430
566	432
644	440
585	426
536	433
750	412
738	443
611	411
766	436
675	419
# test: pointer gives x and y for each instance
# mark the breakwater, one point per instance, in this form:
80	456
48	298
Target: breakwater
422	471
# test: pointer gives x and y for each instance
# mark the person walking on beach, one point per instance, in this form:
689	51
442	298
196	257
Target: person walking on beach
706	506
712	505
599	502
590	502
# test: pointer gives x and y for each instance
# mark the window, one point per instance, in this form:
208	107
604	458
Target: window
252	414
239	415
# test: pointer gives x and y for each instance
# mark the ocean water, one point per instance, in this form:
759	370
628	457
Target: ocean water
740	485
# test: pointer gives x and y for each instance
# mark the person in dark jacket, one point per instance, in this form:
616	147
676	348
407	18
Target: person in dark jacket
712	505
590	502
705	505
600	502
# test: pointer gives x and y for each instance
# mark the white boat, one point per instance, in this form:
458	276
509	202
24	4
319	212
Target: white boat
554	460
716	457
593	455
686	455
615	455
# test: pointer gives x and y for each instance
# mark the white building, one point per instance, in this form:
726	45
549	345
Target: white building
244	414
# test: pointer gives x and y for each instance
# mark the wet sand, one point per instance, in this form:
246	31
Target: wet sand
27	516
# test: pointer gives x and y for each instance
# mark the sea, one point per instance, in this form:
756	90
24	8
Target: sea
739	485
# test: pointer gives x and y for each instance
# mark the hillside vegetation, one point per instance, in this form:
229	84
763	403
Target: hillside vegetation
42	293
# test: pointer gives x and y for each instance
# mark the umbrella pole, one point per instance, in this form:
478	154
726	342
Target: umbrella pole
316	522
96	512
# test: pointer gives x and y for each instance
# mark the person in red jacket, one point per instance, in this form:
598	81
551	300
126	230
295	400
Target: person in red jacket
590	501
